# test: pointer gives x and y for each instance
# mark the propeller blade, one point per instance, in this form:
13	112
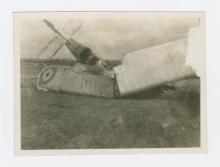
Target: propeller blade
52	27
76	30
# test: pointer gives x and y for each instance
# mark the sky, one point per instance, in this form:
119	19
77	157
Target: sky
108	38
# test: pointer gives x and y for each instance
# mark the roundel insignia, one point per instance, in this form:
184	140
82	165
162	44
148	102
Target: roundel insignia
47	75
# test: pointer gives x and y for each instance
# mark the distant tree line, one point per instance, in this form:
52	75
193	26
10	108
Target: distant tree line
49	61
61	61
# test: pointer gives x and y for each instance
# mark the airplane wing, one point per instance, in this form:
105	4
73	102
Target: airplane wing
150	67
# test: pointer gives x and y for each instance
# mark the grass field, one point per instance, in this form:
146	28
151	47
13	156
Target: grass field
152	119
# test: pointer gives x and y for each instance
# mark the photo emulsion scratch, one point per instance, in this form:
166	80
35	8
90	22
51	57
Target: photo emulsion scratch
114	80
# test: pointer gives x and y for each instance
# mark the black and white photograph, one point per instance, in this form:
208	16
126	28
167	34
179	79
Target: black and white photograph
110	82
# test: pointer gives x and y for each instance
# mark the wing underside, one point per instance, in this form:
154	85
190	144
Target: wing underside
150	67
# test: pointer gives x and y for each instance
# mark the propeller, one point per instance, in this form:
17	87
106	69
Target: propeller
52	27
56	31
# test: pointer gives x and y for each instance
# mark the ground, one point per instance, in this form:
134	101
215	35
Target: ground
155	118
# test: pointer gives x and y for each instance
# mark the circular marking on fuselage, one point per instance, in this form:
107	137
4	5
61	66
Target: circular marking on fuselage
47	75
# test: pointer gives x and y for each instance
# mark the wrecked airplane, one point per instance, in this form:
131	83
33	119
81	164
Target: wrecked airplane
139	70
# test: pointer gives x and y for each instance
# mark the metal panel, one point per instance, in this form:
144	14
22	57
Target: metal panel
153	66
88	84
